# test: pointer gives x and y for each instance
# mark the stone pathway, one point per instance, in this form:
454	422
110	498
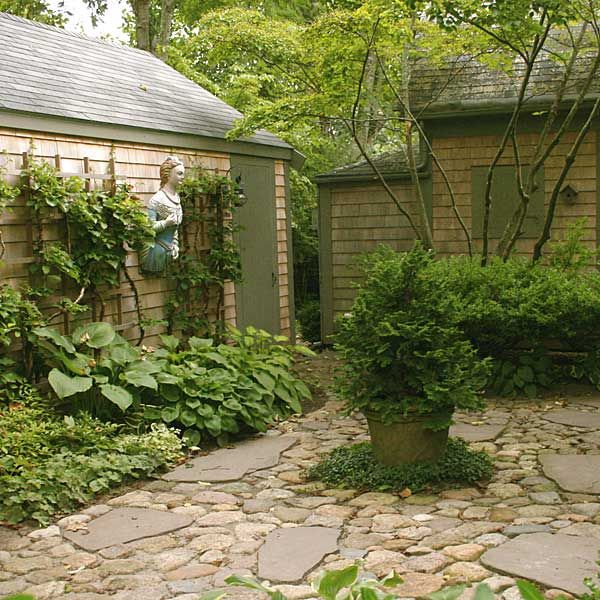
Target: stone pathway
247	510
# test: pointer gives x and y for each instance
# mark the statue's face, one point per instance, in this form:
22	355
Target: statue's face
177	175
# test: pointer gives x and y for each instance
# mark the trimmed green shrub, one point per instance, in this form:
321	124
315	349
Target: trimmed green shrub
356	467
402	351
308	315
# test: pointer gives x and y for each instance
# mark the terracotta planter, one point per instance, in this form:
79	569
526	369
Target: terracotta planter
407	440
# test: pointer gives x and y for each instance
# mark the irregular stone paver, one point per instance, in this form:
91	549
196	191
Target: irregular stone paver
574	472
126	525
229	464
288	554
554	560
476	433
431	539
576	418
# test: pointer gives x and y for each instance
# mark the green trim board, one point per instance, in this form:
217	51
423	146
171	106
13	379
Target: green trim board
290	253
325	263
122	133
257	296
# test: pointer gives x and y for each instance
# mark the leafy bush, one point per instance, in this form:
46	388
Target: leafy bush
214	391
96	369
50	465
356	467
401	350
516	305
522	374
308	316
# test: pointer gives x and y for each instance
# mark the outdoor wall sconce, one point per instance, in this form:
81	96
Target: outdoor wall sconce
241	195
569	194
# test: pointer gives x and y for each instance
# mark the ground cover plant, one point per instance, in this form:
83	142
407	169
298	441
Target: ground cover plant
356	467
51	464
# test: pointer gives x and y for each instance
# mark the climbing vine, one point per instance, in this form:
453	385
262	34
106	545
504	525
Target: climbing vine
99	226
8	194
210	256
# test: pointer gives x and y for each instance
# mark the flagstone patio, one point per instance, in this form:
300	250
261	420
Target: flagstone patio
248	510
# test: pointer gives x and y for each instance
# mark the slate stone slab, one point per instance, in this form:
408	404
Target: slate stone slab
476	433
288	554
573	472
553	560
575	418
229	464
123	525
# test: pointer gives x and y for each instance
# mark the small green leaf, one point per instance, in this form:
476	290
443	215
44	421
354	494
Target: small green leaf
449	593
333	581
188	417
265	380
191	437
170	342
196	343
528	591
117	395
65	386
169	413
214	595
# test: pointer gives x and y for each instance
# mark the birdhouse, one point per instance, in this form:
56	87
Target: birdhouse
568	194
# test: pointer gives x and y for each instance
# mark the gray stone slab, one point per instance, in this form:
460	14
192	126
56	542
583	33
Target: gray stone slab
123	525
476	433
288	554
229	464
575	418
553	560
573	472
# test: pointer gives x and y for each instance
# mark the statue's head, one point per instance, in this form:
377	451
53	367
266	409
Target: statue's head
171	171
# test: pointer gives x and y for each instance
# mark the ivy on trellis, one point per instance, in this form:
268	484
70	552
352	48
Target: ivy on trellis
98	226
209	255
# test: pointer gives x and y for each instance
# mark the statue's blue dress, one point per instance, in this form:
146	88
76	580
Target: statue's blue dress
155	259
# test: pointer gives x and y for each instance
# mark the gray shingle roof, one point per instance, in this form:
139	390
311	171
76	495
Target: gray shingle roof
46	70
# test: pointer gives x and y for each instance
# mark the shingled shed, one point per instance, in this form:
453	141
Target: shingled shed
82	101
464	124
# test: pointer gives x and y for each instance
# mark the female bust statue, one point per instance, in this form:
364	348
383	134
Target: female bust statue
164	210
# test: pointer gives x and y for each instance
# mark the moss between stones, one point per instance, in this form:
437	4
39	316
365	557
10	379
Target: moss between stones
356	467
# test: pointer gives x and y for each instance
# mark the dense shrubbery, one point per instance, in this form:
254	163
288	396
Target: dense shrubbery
356	467
308	315
50	464
401	347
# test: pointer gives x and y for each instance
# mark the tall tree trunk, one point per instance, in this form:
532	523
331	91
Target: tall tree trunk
141	12
166	24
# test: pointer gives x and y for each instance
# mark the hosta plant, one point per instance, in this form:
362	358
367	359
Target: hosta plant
96	370
215	390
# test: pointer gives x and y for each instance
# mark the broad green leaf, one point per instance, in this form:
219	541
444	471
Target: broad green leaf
304	350
368	594
196	343
170	342
78	364
167	378
123	355
217	358
483	592
170	393
293	403
265	380
145	366
392	580
94	335
169	413
65	386
99	379
254	585
188	417
139	379
117	395
152	413
528	591
449	593
526	374
52	334
191	437
333	581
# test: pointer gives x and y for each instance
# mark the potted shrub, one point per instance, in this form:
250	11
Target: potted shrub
406	366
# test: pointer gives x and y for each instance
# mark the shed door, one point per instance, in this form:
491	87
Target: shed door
257	296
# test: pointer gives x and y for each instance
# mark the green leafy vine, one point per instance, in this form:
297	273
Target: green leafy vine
210	256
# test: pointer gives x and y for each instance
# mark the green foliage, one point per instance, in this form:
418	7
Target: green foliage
214	391
356	467
96	369
309	317
209	200
18	316
50	465
571	254
522	375
401	350
343	584
36	10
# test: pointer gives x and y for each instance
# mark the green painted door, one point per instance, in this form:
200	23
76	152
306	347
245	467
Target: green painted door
257	297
